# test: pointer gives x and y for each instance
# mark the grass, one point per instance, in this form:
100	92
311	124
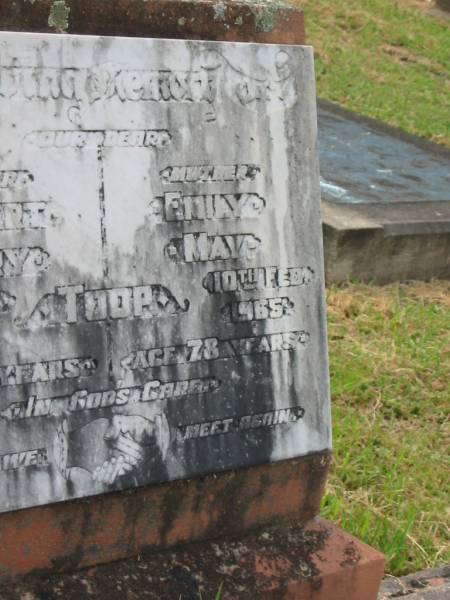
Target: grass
218	595
389	347
390	376
386	59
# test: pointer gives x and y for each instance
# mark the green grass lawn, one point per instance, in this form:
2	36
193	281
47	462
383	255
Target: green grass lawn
389	347
386	59
390	379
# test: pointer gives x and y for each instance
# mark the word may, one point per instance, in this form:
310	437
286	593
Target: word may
201	247
12	179
22	460
206	173
213	349
257	309
258	278
72	303
49	370
238	424
17	262
82	400
122	138
105	82
25	215
176	207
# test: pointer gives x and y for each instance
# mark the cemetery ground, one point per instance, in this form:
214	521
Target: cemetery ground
387	59
390	372
389	346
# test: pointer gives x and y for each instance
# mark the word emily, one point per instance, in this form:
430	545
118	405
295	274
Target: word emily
238	424
175	207
82	400
213	349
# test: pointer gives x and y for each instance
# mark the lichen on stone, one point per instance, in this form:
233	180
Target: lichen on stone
219	11
59	15
265	12
267	16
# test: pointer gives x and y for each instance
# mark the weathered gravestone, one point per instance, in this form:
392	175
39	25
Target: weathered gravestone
161	304
161	278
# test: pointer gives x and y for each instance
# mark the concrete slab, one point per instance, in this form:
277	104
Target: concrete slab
365	161
411	241
385	193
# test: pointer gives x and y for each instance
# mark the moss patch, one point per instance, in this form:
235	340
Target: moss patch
59	15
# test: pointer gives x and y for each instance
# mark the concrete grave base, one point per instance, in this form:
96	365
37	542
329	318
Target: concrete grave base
316	562
409	240
386	202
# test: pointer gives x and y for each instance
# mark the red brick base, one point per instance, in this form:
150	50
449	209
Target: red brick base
75	534
317	562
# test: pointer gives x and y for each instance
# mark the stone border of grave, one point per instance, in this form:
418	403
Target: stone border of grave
411	240
432	584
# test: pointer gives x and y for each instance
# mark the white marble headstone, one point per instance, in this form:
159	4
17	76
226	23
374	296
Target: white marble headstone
161	283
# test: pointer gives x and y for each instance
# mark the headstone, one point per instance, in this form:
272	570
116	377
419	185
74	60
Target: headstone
161	278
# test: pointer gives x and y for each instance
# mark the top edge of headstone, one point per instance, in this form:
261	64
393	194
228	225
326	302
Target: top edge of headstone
263	21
